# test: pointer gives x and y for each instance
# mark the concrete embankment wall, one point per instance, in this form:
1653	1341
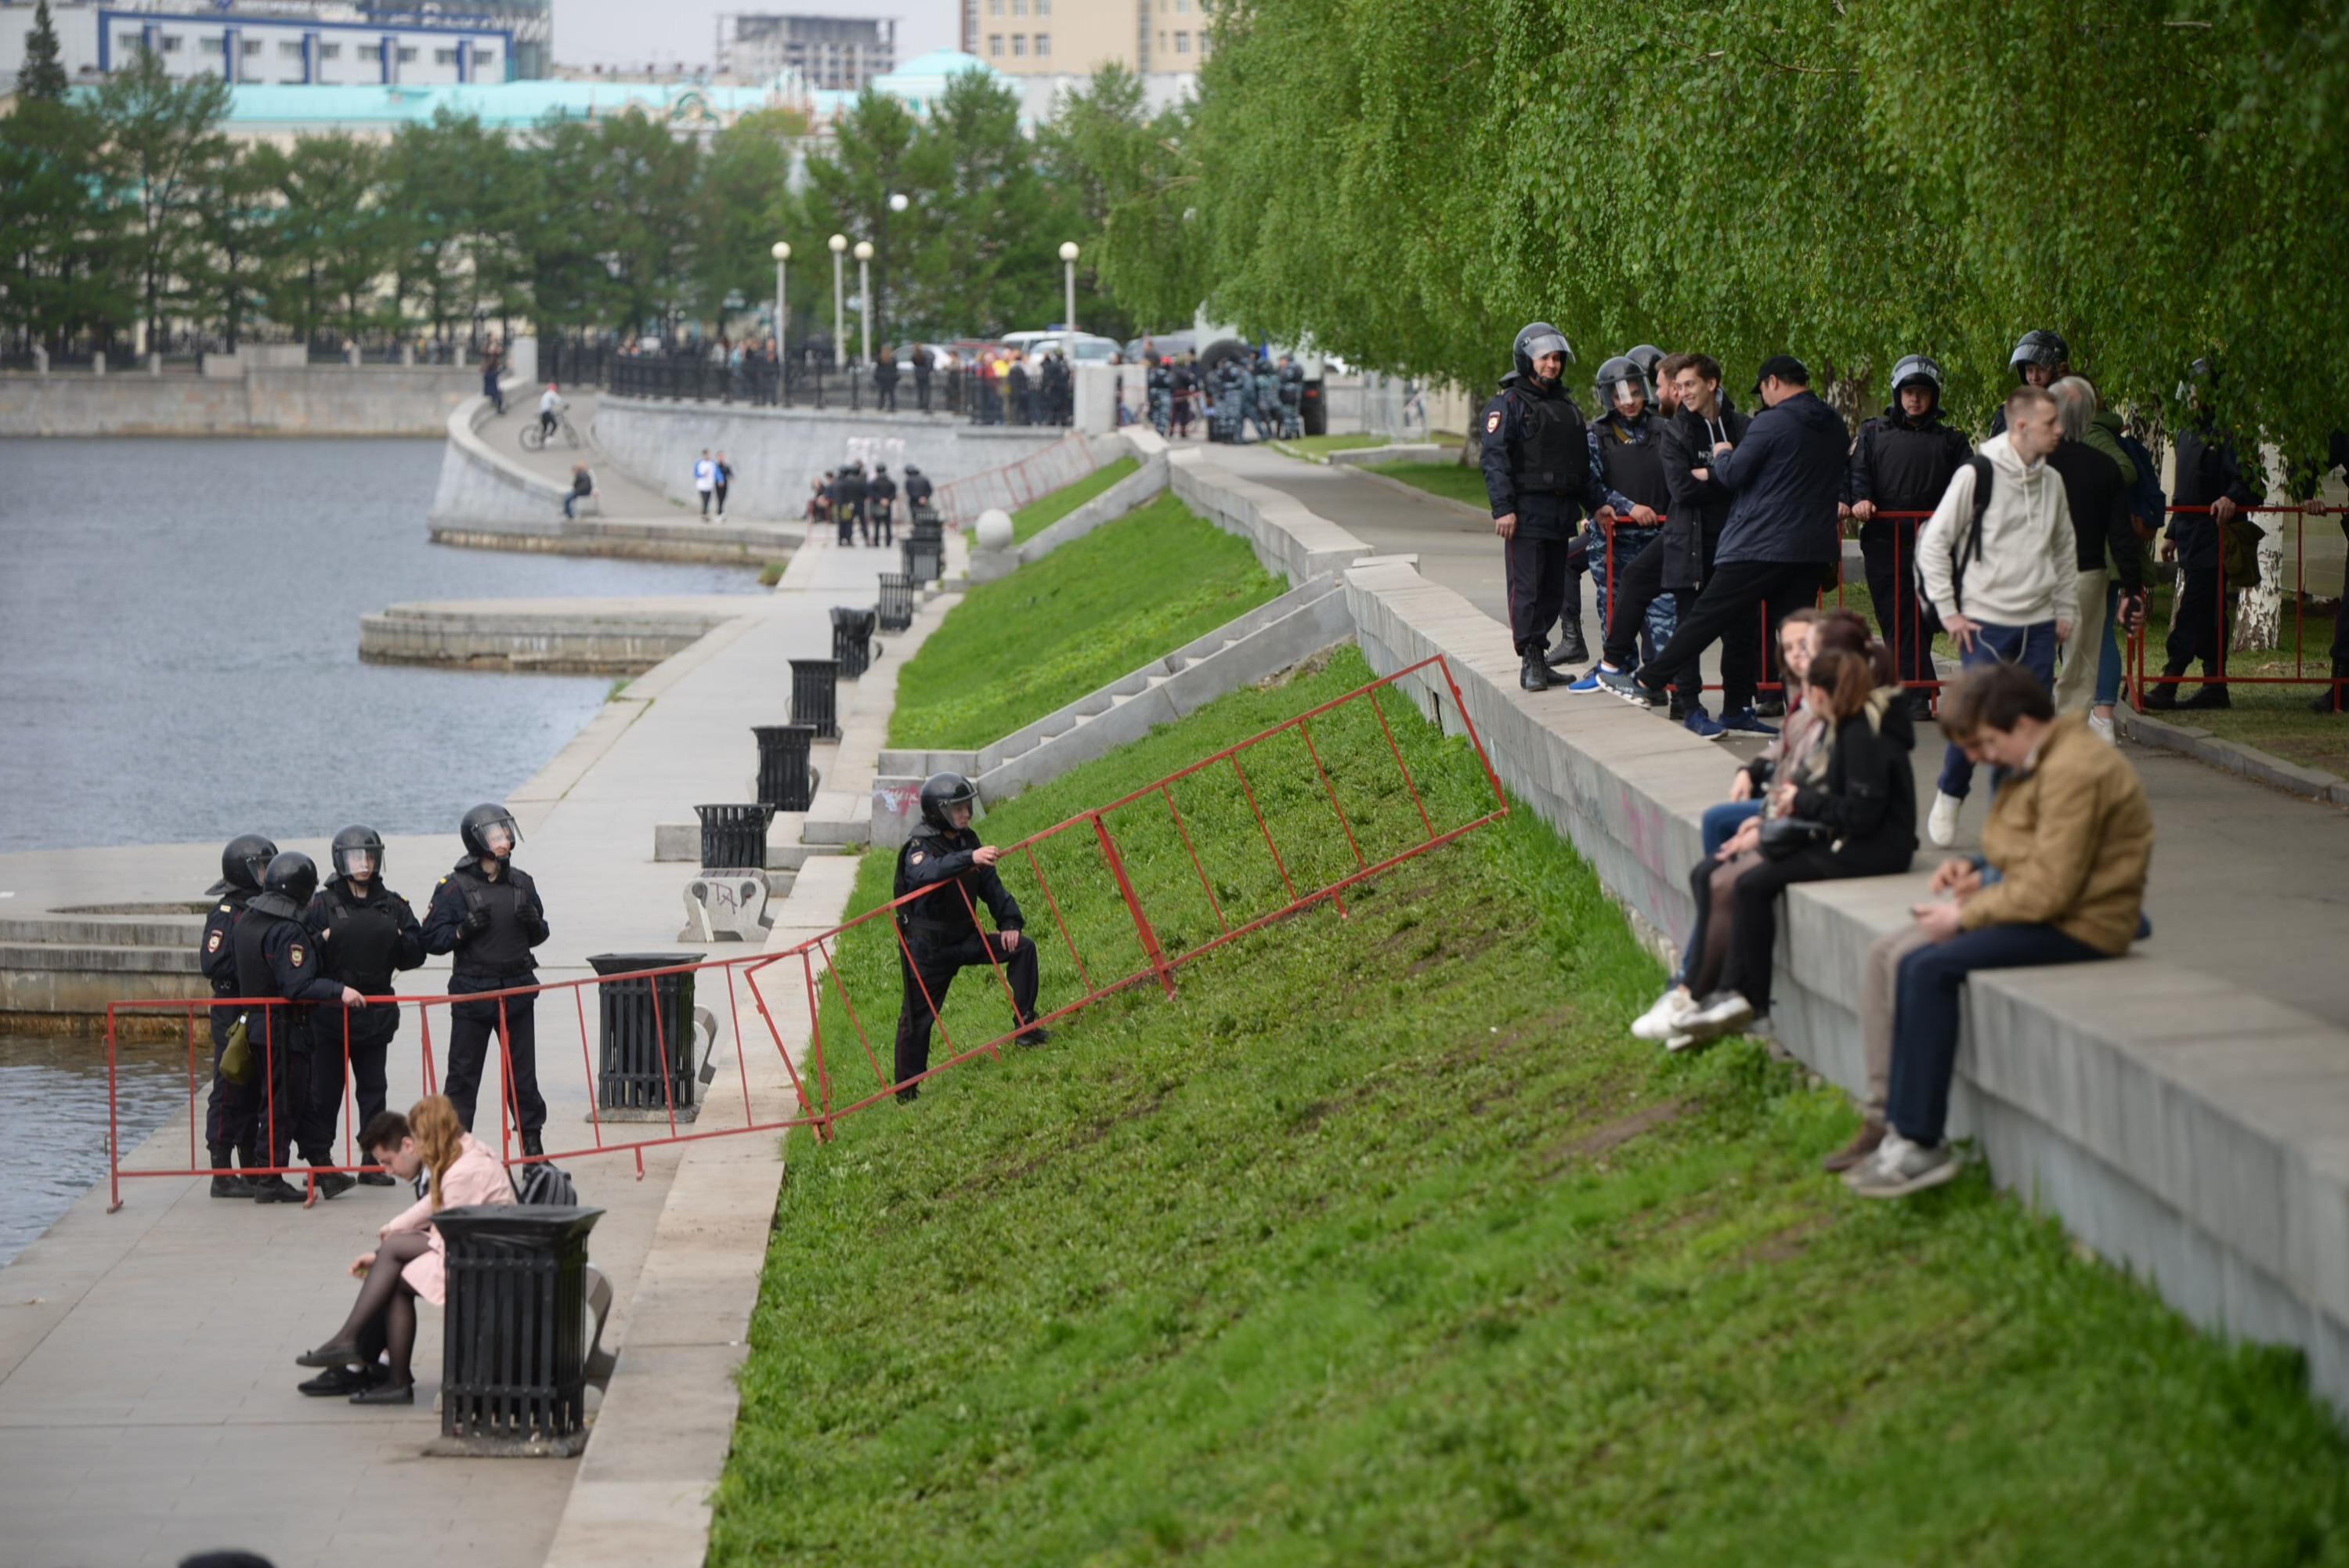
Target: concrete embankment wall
2180	1125
304	400
776	451
478	488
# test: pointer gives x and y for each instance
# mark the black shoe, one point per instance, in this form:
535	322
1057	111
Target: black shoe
376	1178
275	1189
1679	710
2161	697
387	1394
1535	675
331	1183
2326	701
337	1381
328	1356
2209	696
1035	1037
533	1145
232	1187
1654	697
1569	651
1770	708
1920	705
908	1096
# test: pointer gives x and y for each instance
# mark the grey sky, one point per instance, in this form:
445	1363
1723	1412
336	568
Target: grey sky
635	33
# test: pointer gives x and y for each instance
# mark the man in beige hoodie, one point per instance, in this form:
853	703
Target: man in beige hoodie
2002	574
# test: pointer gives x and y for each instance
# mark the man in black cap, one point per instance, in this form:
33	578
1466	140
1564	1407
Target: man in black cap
1778	545
1539	475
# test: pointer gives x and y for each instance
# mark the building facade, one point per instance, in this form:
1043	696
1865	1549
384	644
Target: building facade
830	54
303	41
1075	37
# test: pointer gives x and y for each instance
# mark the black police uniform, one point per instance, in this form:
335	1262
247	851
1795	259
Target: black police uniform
1536	462
1292	400
848	502
922	377
490	924
917	489
1185	384
2206	470
883	506
276	956
1162	397
367	938
232	1111
2336	698
885	384
1903	465
1632	466
944	938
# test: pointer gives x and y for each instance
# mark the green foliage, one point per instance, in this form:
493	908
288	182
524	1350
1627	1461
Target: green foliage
159	137
1045	511
42	75
1406	184
1094	609
1381	1242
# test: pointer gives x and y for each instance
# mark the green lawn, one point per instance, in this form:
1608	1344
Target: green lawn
1322	446
1045	511
1019	647
1451	480
1381	1243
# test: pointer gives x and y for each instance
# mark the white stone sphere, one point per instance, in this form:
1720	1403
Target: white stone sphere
995	529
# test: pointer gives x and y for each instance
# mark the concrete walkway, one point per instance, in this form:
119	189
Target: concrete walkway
2249	883
622	497
147	1401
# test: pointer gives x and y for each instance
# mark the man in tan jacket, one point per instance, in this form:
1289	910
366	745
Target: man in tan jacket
2061	881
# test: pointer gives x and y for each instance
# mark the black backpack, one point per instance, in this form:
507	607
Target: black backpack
541	1184
1969	543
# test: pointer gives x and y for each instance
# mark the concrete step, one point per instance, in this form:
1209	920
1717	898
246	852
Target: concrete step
113	958
87	931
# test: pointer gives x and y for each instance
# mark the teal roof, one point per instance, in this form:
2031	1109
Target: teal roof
513	105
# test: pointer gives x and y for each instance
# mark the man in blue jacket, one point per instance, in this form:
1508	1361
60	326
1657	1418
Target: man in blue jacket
1779	542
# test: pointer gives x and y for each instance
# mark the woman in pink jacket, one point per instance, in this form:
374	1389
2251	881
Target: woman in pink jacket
412	1262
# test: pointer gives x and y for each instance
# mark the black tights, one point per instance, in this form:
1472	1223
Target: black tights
384	1316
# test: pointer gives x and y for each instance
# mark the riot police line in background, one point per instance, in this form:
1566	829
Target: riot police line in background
274	933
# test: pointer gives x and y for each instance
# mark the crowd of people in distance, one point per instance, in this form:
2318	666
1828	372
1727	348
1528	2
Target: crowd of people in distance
864	506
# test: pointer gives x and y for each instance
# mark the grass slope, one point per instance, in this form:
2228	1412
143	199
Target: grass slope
1381	1243
1452	481
1019	647
1045	511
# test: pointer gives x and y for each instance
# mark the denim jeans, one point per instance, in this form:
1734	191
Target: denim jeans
1722	820
2032	647
1925	1014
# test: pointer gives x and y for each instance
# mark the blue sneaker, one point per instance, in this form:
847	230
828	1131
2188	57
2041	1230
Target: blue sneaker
1700	725
1591	681
1745	722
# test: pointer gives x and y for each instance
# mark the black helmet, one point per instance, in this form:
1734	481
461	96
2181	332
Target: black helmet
911	470
1620	368
1535	339
293	876
241	863
2039	348
880	467
1646	356
359	840
1915	367
474	830
941	793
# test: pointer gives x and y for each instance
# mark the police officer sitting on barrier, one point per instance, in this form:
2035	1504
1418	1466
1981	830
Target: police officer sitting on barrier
231	1112
276	957
367	933
486	912
941	932
1625	443
1538	474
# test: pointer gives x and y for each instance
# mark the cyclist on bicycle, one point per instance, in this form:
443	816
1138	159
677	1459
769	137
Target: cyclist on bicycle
551	405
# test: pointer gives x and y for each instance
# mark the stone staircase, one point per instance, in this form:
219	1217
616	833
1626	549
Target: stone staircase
73	961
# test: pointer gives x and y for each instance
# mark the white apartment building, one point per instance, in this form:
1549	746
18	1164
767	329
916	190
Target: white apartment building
308	42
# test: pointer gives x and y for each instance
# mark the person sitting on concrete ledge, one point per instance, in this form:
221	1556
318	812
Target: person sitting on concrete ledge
412	1261
583	486
2061	880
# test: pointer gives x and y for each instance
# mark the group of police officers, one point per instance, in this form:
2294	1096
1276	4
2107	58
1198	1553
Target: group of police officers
301	971
859	503
1239	390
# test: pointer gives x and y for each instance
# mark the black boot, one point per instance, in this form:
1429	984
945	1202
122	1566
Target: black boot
227	1186
2329	700
2210	696
1535	675
377	1177
2162	695
531	1144
275	1189
1570	650
330	1184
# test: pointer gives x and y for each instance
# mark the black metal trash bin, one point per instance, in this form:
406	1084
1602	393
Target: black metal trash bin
514	1336
735	837
896	606
852	641
925	557
645	1061
786	782
816	697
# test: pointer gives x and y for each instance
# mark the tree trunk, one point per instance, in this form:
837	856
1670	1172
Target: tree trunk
2261	622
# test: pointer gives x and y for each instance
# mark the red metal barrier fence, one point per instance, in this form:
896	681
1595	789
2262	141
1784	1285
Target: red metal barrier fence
1122	893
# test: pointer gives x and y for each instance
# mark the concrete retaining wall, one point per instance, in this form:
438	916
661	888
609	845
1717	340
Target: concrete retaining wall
987	565
1014	484
776	451
2178	1124
306	400
481	489
586	636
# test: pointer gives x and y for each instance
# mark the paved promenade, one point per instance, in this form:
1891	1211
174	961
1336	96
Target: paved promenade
621	496
2249	883
147	1401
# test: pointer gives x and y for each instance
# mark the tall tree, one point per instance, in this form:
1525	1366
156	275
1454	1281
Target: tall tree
236	243
158	137
335	235
743	205
57	237
878	149
43	75
995	267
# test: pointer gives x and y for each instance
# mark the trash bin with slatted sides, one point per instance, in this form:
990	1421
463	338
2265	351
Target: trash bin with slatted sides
515	1334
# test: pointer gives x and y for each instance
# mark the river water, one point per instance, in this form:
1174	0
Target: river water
179	643
53	1120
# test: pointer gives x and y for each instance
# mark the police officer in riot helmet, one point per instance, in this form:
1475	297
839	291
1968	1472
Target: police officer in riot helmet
954	874
276	958
1662	392
2041	359
367	933
1162	396
231	1112
917	489
1625	443
882	493
1292	399
1902	462
1539	477
486	912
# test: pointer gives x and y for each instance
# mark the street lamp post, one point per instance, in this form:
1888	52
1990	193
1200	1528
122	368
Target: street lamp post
1069	283
782	251
839	244
865	295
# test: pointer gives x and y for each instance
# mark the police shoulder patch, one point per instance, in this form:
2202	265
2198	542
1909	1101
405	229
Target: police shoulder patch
914	859
295	952
212	944
1492	421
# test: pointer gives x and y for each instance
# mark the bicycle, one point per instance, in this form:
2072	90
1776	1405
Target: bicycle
533	436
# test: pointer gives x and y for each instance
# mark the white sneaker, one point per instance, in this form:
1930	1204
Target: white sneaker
2103	728
1661	1021
1898	1168
1685	1042
1941	824
1722	1013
